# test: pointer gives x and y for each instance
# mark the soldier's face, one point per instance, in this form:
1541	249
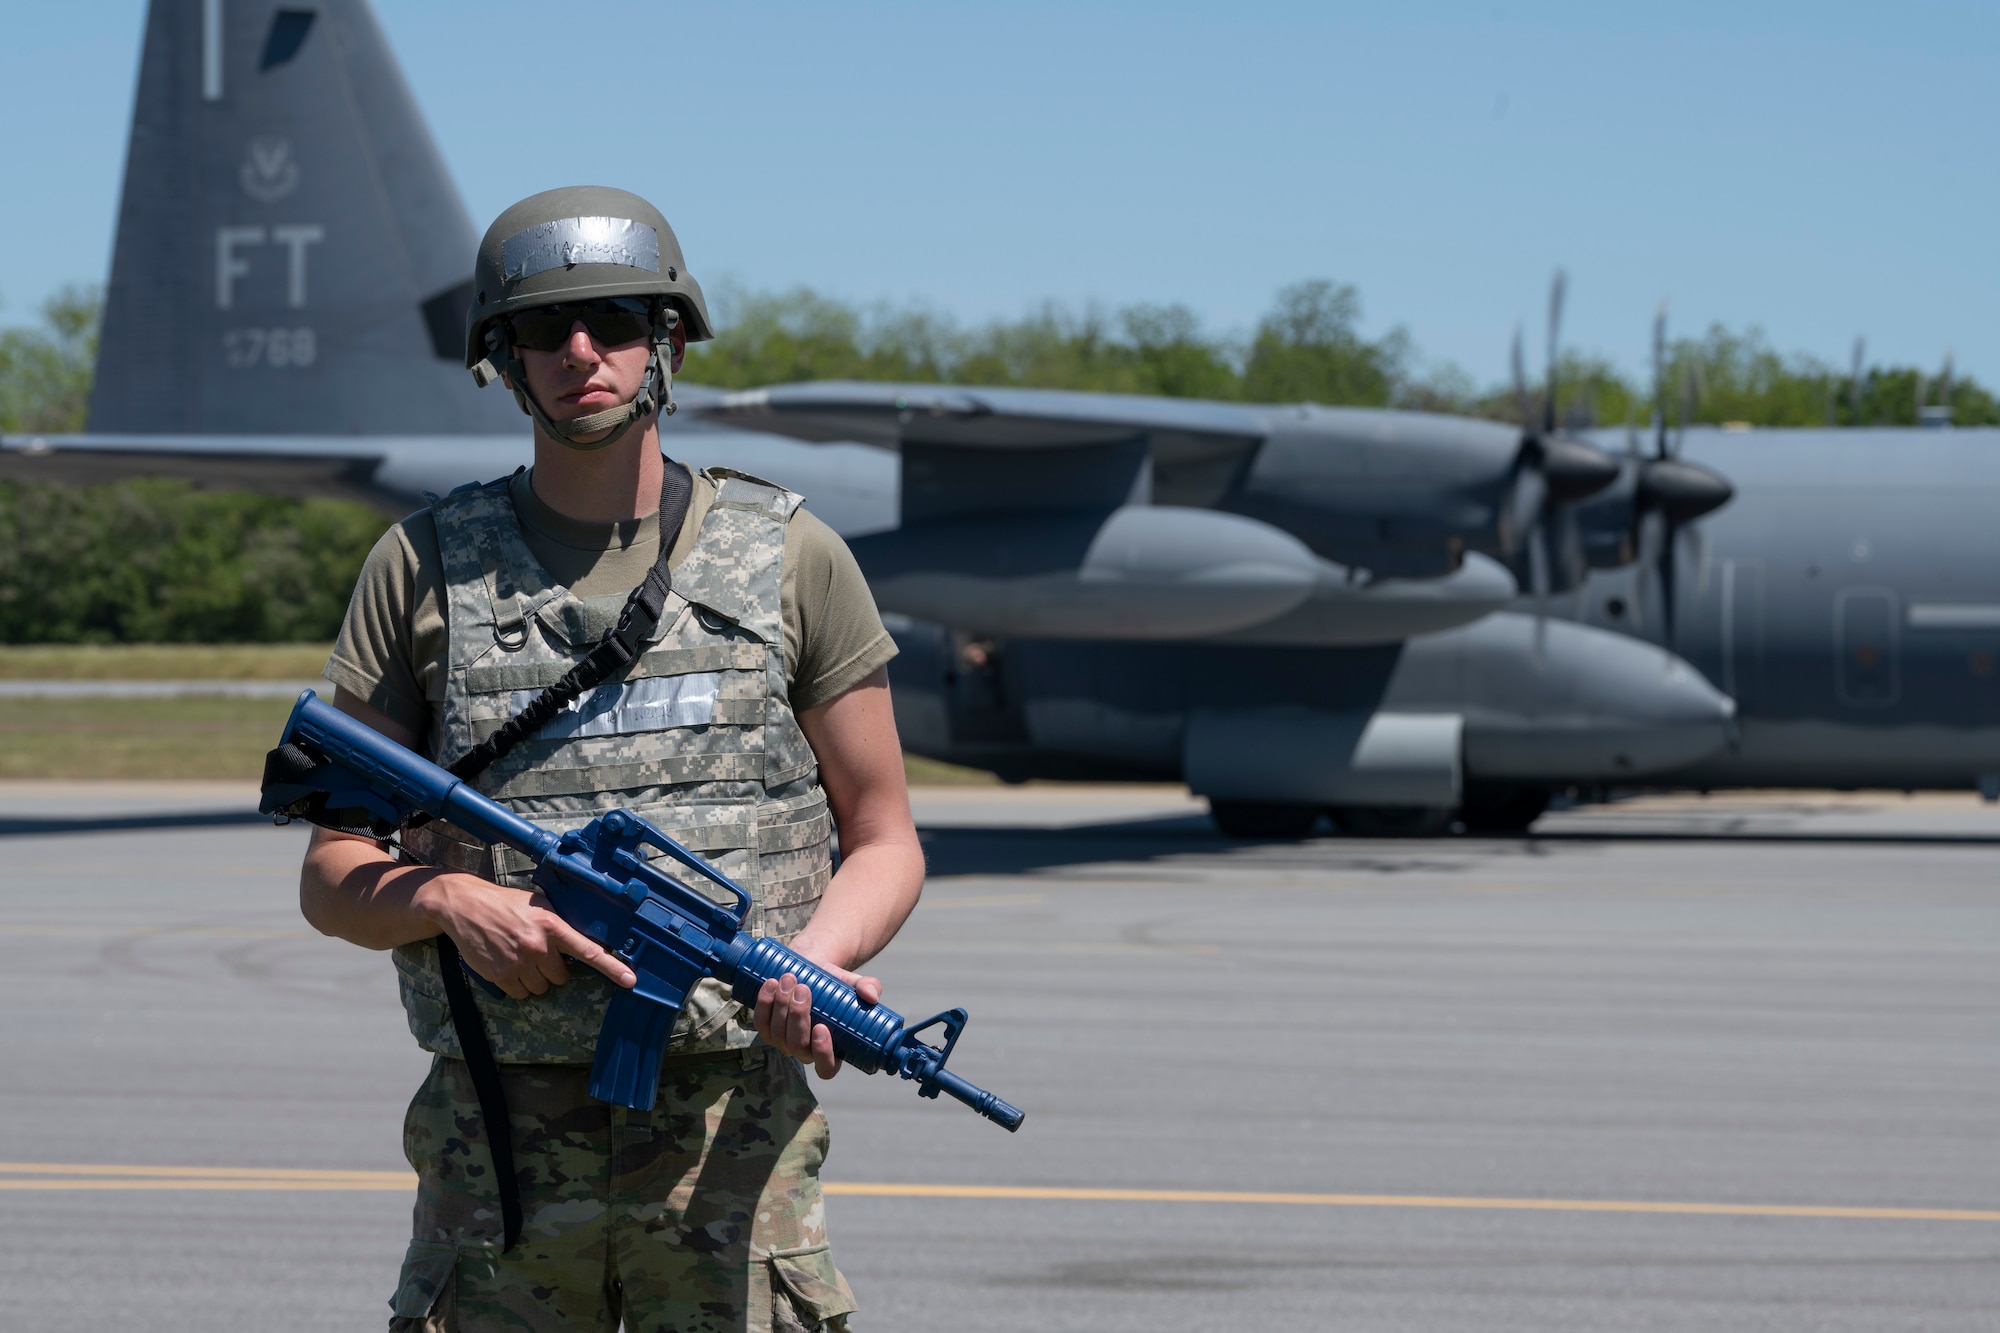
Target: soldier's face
585	375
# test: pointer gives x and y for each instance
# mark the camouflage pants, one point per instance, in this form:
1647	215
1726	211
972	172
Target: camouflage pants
699	1216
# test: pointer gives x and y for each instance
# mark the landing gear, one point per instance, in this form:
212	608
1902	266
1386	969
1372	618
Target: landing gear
1498	807
1260	819
1393	821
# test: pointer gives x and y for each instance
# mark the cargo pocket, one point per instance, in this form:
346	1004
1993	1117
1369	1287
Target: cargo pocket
807	1287
422	1303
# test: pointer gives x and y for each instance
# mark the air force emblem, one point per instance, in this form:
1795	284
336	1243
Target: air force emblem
268	172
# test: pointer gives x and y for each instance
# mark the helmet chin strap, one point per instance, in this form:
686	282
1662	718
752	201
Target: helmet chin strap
656	390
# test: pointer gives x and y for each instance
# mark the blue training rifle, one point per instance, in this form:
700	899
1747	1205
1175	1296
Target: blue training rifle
339	772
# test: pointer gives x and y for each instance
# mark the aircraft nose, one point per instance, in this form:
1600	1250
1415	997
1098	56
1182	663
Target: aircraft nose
1569	703
1658	712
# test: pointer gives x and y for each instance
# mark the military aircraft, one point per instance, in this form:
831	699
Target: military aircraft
1292	608
1285	607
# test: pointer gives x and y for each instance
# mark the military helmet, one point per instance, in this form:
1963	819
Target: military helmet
577	244
581	243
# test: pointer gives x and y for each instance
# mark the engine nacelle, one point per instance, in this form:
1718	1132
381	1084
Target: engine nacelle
1137	572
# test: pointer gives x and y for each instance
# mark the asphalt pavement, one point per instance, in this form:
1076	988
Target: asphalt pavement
1679	1064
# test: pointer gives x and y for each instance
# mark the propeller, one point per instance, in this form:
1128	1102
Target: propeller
1671	494
1552	471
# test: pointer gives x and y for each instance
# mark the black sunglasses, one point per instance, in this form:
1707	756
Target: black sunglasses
611	320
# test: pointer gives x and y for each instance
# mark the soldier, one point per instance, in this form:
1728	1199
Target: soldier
743	708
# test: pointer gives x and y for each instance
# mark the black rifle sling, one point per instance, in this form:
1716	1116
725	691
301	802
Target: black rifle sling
613	653
485	1071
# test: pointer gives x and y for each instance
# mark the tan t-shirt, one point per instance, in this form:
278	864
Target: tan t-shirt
392	645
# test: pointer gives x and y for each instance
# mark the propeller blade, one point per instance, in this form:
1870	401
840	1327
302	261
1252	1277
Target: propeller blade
1660	381
1570	562
1652	528
1538	581
1538	563
1690	400
1555	329
1522	403
1668	550
1522	508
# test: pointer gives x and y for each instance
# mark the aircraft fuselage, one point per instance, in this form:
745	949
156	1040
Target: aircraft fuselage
1848	600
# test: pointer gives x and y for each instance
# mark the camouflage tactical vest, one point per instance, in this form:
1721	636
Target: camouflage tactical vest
697	737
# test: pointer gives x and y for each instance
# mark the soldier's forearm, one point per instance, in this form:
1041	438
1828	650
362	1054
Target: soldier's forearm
354	890
866	903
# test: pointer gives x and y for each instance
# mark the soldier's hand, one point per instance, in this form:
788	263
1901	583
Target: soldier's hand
511	937
784	1017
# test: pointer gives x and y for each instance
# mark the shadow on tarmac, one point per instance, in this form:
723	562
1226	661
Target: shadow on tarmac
44	827
1012	851
1002	850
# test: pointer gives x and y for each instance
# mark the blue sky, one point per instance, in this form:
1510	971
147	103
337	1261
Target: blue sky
1824	170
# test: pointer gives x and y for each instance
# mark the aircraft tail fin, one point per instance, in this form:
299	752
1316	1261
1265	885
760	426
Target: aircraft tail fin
292	256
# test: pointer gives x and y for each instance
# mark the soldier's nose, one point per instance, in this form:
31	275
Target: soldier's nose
580	347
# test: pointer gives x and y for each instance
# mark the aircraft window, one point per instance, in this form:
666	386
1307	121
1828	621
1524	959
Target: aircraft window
288	33
1615	608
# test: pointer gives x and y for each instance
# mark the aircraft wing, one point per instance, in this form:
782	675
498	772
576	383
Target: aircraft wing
889	416
852	487
390	472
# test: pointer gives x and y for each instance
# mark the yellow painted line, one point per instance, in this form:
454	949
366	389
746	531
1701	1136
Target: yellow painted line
93	1176
1407	1201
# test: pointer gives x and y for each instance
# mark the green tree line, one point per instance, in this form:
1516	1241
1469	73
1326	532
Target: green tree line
1308	347
159	561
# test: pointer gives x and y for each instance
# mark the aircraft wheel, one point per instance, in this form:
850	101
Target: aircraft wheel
1392	821
1259	819
1498	807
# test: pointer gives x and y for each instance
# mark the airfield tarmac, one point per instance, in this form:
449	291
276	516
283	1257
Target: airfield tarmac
1672	1064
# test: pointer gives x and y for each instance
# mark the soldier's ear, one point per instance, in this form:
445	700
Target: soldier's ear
678	333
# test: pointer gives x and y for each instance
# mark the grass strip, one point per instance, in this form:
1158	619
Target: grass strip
162	661
126	739
198	737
